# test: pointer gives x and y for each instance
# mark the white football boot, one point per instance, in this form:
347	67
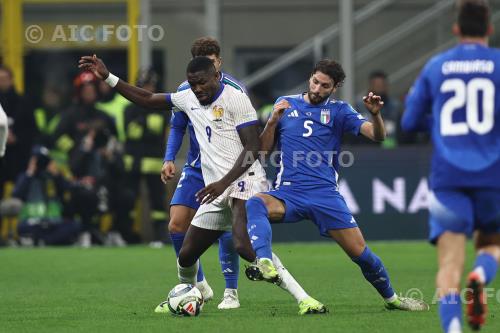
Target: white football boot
229	300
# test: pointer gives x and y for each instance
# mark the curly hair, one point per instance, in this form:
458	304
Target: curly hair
205	46
332	69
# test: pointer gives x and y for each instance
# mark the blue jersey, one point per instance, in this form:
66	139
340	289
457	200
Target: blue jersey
180	121
309	138
455	97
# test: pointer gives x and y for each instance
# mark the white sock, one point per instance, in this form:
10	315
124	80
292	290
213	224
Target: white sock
288	282
187	274
479	270
455	326
391	299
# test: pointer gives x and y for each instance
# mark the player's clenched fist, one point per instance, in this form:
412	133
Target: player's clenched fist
167	171
278	109
94	65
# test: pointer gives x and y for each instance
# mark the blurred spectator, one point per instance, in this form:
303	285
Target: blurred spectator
48	115
20	135
378	84
146	133
89	135
47	118
113	104
42	189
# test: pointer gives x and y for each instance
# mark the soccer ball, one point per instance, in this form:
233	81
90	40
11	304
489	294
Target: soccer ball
185	300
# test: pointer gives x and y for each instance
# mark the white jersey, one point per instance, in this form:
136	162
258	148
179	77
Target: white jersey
4	129
216	128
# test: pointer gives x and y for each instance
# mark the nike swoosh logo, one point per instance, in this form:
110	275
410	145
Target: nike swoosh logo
194	108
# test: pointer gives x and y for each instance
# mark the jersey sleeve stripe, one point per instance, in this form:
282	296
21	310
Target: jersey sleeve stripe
248	123
168	97
234	85
183	86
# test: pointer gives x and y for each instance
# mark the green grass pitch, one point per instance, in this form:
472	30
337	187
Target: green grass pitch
116	290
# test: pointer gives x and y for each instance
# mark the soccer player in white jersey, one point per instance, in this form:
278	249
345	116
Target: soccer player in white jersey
226	127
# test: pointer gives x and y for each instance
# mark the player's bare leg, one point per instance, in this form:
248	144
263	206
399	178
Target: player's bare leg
255	271
351	240
488	256
451	258
197	241
241	239
180	219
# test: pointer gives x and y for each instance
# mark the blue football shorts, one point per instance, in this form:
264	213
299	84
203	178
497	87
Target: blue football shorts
464	211
191	181
325	207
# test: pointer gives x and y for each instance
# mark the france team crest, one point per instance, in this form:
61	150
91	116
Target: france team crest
217	112
325	116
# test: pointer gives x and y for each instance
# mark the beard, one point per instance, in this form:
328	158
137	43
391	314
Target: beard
316	98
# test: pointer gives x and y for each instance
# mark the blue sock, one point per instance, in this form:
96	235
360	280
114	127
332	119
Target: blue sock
259	228
450	309
177	240
229	260
488	264
374	272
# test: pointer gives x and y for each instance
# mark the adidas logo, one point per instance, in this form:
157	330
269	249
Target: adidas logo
190	308
227	270
294	114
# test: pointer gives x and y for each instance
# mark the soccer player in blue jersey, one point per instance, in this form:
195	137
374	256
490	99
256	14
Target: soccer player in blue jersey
307	129
456	99
184	205
224	152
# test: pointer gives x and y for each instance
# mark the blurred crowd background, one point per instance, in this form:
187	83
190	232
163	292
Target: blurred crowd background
82	163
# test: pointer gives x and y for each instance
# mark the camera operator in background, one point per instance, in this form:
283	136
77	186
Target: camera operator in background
89	136
43	219
145	137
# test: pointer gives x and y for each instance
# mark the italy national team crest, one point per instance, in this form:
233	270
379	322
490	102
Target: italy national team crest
325	116
217	112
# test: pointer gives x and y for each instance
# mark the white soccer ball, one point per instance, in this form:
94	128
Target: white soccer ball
185	300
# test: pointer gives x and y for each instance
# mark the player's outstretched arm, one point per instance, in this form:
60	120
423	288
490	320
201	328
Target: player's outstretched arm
374	130
249	137
417	115
134	94
268	135
174	142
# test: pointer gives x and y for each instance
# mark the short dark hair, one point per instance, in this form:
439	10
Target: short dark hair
205	46
200	64
332	69
473	17
378	74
